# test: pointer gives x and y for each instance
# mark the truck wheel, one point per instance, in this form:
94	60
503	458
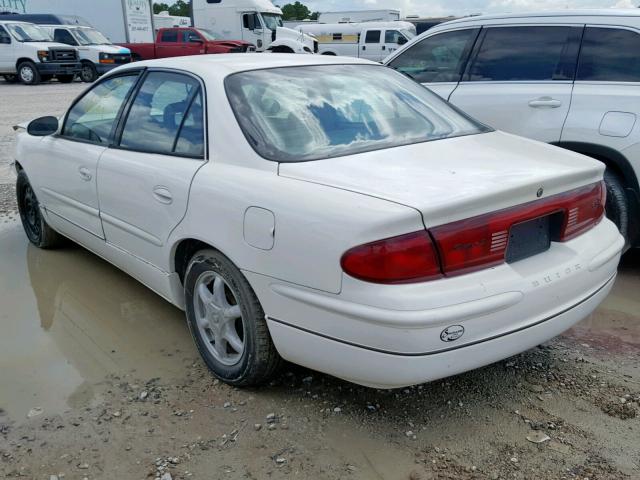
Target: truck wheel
227	321
65	78
28	73
617	208
88	74
10	78
35	226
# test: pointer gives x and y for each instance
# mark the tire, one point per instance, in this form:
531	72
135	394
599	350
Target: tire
28	73
617	207
11	78
257	360
65	78
35	226
88	74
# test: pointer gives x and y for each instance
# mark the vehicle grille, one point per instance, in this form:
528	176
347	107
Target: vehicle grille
121	58
60	55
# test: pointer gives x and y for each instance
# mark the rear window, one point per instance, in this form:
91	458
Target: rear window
609	55
309	113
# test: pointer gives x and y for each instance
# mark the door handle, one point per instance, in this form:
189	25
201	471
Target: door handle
384	47
364	47
85	174
163	195
545	102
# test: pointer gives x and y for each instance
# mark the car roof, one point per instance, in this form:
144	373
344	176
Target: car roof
228	63
15	21
609	12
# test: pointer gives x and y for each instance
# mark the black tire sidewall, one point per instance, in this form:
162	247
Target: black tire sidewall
94	73
21	185
212	261
617	209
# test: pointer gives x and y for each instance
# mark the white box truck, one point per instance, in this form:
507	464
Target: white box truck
164	20
122	21
354	16
255	21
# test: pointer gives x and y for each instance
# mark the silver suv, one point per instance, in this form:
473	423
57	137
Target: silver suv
568	78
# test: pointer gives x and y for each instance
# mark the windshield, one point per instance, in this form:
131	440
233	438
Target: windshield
272	20
90	36
208	34
27	32
313	112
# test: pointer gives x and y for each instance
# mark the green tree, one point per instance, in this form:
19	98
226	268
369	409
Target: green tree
160	7
314	16
295	11
180	9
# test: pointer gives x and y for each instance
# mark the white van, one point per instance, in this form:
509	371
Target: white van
97	54
255	21
370	40
27	54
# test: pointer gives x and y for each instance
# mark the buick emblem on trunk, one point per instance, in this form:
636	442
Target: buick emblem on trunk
540	192
452	333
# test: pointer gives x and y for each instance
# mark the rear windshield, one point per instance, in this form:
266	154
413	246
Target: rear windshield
296	114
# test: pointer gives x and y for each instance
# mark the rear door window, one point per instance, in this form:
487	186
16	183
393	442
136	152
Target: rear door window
169	36
373	36
166	116
609	55
529	53
439	58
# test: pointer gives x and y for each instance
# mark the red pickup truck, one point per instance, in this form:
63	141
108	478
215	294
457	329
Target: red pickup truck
177	42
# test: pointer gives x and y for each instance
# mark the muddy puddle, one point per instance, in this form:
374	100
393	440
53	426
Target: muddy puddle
68	319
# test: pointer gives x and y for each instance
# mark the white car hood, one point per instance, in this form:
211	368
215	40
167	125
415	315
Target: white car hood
48	45
453	179
284	32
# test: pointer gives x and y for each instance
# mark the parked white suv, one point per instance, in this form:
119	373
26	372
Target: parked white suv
570	78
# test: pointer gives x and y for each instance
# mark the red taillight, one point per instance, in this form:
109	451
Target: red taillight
403	259
482	241
471	244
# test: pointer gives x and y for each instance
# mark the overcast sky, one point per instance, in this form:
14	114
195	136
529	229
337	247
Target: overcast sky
436	8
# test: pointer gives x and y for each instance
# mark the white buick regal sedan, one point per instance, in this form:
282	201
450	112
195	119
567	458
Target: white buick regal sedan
323	210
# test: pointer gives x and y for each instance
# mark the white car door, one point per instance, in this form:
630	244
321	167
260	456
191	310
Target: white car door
437	61
371	47
605	108
144	181
7	57
67	163
520	78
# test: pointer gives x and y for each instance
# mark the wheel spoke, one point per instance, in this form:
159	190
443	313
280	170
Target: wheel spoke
219	296
232	338
206	297
231	313
220	346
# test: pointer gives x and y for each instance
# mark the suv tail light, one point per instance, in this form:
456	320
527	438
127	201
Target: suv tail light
474	243
405	259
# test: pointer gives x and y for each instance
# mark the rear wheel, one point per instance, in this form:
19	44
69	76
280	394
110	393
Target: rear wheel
65	78
617	207
28	73
35	226
88	74
227	321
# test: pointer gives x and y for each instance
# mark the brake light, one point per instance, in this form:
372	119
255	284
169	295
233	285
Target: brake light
481	242
403	259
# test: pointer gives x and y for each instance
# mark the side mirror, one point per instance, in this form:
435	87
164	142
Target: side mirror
195	40
402	40
43	126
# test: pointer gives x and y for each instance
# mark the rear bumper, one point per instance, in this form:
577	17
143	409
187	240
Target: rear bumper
67	68
503	311
379	369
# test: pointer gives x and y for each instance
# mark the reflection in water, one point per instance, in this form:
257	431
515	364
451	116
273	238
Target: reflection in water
69	319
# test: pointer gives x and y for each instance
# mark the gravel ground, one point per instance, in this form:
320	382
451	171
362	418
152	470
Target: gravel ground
99	380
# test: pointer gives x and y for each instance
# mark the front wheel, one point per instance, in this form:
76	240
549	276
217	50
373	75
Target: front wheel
88	74
28	73
35	226
227	321
617	207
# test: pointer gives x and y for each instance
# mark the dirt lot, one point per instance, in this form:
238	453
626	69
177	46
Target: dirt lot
99	380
